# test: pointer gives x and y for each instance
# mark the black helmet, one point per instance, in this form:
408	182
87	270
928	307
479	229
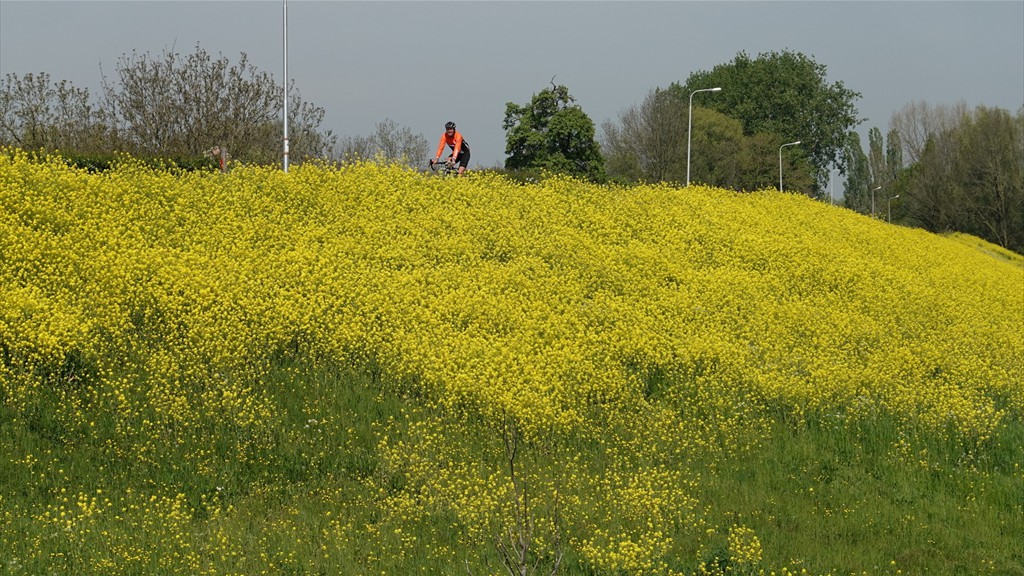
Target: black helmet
449	125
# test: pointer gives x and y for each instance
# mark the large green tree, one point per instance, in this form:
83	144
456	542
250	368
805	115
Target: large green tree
784	93
552	133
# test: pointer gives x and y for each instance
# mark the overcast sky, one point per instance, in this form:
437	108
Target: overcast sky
422	63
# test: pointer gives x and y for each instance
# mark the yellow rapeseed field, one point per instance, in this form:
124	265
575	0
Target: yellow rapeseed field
148	309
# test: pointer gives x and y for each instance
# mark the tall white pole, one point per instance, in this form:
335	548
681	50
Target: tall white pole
285	85
780	160
689	129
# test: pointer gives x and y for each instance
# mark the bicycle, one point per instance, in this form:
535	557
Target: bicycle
445	169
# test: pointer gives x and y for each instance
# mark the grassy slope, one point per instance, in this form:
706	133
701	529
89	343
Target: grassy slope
322	372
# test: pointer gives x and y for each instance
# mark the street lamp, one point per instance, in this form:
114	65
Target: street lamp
873	190
780	161
284	41
889	218
689	129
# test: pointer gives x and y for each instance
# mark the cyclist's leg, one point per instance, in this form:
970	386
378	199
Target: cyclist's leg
463	161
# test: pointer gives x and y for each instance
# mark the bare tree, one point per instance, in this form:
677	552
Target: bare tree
39	114
649	142
990	173
514	544
355	148
175	105
398	143
389	142
918	121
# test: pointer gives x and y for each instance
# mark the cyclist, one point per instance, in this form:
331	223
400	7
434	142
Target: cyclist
460	148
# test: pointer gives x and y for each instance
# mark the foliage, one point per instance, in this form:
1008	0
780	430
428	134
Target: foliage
969	176
721	155
857	190
37	113
388	142
917	122
785	94
171	106
875	178
649	143
554	134
360	369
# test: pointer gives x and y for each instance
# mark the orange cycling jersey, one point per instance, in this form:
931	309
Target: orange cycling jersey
455	141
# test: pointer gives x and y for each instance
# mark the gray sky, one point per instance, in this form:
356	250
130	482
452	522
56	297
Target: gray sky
422	63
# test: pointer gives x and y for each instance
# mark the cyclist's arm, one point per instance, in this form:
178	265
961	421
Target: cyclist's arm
440	147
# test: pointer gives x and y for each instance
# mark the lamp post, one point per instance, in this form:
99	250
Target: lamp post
689	129
780	161
873	190
889	208
285	42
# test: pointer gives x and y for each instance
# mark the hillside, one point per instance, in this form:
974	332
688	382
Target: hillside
368	370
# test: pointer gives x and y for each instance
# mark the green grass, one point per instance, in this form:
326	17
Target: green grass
848	498
826	495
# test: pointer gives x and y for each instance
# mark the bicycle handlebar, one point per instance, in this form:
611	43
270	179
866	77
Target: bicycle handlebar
447	164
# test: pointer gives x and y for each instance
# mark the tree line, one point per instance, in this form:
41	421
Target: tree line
178	108
944	168
963	169
756	123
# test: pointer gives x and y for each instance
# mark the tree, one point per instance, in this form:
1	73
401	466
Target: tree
714	159
989	171
552	133
969	176
856	194
168	107
389	141
884	165
399	143
930	192
621	163
759	155
649	143
876	158
918	122
786	94
39	114
177	106
356	147
894	153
